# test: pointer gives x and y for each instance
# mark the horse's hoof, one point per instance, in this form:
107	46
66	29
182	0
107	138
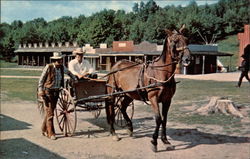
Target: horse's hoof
170	147
115	138
153	146
130	133
53	137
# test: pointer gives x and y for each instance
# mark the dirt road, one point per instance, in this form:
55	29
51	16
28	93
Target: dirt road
21	138
231	76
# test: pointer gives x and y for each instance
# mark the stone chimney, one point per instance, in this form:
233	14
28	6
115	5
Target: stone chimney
67	44
40	44
60	44
35	45
53	44
46	44
103	46
75	44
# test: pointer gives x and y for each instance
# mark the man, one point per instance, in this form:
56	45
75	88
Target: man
79	67
51	80
244	69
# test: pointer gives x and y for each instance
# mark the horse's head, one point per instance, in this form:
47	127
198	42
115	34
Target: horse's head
178	46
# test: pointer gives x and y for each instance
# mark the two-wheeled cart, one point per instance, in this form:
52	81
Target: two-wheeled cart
87	95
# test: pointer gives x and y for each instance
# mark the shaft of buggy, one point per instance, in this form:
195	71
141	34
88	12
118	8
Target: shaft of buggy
118	93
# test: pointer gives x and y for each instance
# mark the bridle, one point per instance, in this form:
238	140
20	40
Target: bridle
179	49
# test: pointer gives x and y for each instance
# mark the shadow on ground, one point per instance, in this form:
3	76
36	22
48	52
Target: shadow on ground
189	137
21	148
8	123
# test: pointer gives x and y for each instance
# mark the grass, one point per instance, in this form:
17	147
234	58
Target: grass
195	90
16	89
229	45
4	64
212	119
21	72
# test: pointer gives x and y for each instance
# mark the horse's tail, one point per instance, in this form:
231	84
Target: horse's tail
109	103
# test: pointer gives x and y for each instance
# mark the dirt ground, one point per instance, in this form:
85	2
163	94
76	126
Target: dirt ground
21	138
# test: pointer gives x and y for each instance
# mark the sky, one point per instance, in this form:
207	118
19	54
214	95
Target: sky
26	10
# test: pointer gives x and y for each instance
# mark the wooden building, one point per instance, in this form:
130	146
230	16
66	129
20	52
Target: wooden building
244	41
39	55
204	57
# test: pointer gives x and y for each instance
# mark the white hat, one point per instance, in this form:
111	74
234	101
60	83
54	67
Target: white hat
79	51
56	55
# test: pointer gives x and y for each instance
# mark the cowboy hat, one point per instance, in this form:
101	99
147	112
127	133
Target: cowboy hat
79	51
56	55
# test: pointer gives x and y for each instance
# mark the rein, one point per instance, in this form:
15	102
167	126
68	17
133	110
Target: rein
110	73
145	64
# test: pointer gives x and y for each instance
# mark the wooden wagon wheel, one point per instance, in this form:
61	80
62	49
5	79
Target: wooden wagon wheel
119	119
96	113
66	113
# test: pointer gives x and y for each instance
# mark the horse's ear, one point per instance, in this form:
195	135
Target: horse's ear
169	32
175	32
181	29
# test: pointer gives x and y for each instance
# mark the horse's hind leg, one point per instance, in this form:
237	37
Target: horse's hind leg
158	120
111	118
165	108
126	101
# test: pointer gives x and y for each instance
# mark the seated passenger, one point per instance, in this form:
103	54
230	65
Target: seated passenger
79	67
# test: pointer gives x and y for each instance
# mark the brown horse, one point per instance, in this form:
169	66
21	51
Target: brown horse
159	72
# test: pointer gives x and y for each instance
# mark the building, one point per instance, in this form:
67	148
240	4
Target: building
244	41
204	57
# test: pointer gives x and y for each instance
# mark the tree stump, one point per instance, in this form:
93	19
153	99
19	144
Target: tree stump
220	105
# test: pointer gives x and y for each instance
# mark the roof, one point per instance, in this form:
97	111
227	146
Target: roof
212	53
49	49
135	53
145	48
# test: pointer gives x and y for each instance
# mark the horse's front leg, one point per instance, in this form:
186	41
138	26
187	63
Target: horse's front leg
158	120
165	108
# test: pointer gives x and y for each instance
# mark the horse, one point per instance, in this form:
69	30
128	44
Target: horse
160	72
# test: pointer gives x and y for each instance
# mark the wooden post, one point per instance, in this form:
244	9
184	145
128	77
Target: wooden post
38	62
115	58
43	60
108	65
203	64
32	60
22	59
18	59
27	60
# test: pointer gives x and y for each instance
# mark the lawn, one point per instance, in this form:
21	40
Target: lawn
229	45
26	72
4	64
18	89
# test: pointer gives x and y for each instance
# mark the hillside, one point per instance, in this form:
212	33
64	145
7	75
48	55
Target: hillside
229	45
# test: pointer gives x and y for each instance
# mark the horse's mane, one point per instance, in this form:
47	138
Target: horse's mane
163	54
